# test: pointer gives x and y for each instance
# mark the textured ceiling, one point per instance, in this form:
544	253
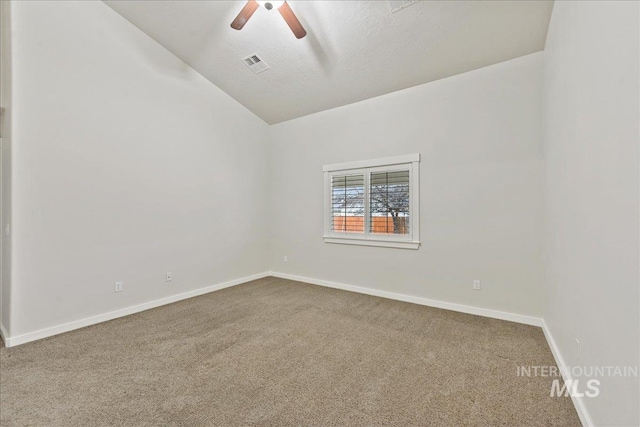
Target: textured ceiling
354	50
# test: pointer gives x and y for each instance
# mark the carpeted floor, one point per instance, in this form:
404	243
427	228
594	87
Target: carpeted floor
277	352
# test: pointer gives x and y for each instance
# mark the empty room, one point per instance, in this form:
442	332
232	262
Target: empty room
320	213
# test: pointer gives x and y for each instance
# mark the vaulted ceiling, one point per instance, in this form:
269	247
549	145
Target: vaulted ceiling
354	50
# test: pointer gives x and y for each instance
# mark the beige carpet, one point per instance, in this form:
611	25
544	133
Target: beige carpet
277	352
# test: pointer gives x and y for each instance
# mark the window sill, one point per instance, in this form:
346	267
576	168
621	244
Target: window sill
370	242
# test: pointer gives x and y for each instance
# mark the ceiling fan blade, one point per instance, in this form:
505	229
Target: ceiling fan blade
292	20
244	14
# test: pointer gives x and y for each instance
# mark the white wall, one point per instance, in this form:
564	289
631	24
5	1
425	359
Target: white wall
591	88
127	164
5	163
479	135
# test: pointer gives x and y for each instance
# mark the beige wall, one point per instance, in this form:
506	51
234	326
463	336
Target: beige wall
481	210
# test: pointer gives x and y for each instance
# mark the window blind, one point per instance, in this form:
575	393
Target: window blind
389	202
347	203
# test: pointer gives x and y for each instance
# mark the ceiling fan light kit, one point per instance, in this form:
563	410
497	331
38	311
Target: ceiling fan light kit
283	7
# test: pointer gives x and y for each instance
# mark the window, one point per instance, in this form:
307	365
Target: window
373	202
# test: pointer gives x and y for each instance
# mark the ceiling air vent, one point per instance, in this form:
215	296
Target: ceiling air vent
256	63
397	5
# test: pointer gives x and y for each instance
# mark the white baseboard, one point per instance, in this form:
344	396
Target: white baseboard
578	402
486	312
77	324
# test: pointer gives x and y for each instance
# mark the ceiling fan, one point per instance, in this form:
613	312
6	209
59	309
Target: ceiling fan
282	6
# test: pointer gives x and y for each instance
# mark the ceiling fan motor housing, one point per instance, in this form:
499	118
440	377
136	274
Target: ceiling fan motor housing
271	4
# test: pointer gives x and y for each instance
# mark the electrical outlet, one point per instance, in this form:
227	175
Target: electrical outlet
169	277
476	285
117	287
286	258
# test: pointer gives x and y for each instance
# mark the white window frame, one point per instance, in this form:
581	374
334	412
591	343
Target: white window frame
366	167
